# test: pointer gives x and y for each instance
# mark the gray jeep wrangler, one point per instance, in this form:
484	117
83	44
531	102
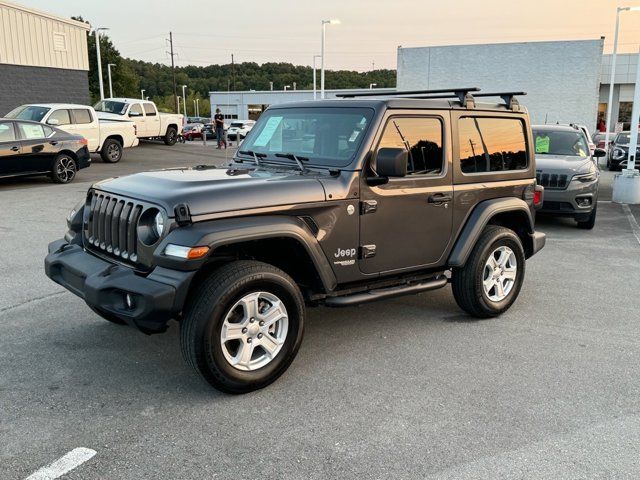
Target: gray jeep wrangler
335	203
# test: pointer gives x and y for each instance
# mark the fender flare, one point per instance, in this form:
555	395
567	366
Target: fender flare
218	233
478	219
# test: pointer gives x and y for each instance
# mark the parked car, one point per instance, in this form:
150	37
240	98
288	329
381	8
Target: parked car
191	131
149	121
210	131
31	148
107	137
619	152
240	128
354	201
567	171
585	130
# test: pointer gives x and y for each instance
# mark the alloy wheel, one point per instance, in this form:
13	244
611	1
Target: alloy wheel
66	169
499	273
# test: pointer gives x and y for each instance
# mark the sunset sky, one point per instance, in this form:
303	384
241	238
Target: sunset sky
289	30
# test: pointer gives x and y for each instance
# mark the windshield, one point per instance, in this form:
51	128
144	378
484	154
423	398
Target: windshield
110	106
324	136
33	113
623	138
560	142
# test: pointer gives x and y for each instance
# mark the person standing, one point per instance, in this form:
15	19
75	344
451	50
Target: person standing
219	124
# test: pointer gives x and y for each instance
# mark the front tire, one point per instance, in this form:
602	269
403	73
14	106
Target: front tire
64	169
111	151
243	326
490	281
171	137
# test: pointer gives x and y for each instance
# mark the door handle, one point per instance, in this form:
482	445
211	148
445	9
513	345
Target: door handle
53	142
439	198
14	149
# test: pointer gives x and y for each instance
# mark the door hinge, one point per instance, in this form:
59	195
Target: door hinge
367	251
368	206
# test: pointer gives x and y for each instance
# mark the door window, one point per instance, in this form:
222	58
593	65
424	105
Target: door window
150	110
136	110
7	134
492	144
421	137
31	131
82	116
62	116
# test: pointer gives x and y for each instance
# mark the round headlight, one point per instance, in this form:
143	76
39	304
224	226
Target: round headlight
618	153
158	225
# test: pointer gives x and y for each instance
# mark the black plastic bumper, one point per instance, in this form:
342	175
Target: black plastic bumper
538	239
157	297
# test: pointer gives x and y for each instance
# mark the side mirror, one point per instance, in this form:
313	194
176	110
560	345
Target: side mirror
599	152
53	121
392	162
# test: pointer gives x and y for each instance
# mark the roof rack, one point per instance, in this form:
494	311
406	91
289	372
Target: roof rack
464	95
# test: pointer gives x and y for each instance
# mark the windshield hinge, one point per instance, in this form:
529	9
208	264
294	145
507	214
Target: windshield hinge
183	216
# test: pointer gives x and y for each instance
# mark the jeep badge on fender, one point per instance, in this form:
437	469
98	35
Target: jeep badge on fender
334	202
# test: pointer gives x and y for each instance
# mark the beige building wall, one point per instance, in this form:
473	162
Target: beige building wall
33	38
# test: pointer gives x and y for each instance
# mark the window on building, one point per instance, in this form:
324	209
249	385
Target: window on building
421	137
62	117
82	116
7	133
624	114
491	144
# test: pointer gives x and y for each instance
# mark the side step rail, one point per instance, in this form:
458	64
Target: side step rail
384	293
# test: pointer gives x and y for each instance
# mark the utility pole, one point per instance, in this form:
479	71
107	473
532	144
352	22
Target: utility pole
233	73
173	72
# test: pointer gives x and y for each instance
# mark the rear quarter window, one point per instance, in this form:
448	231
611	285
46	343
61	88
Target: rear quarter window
490	144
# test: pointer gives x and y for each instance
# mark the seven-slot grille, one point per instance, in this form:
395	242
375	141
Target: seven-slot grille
551	180
112	226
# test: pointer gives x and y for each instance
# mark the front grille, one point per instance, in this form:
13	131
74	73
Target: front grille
111	226
551	180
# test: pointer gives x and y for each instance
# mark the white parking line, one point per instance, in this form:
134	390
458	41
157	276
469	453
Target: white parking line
635	228
64	464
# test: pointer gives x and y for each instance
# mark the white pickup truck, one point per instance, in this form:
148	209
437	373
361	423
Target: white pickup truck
150	122
109	138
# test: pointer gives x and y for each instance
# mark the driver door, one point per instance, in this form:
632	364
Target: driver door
406	223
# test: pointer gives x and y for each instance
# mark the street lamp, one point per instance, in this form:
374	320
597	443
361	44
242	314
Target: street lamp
109	72
142	94
286	86
371	85
178	97
315	92
97	35
184	100
197	107
613	70
324	24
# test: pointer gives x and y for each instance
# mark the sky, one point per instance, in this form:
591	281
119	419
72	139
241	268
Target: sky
370	31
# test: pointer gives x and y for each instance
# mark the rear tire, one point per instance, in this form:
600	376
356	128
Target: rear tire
171	136
243	326
590	222
484	287
64	169
111	151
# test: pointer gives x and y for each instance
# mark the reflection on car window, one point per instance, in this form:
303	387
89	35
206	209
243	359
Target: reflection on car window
492	144
136	108
31	131
421	137
82	116
560	142
6	132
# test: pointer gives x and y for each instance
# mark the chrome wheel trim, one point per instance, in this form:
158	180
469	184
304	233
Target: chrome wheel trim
113	152
499	274
254	331
66	169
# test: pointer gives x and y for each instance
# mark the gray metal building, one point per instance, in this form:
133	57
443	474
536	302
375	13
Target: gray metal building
43	58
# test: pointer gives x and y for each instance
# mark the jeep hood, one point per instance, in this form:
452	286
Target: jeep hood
216	190
563	164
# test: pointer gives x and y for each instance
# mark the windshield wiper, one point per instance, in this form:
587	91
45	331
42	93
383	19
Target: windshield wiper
256	156
295	158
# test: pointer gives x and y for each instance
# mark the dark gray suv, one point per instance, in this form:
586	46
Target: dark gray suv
568	173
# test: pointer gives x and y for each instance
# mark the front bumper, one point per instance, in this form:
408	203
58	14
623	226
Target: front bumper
157	297
565	202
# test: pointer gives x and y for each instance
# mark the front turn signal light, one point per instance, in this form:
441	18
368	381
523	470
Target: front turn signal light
188	253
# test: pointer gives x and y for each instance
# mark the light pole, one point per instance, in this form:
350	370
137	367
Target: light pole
184	100
271	86
371	85
178	97
315	90
324	25
613	71
97	35
142	94
286	86
195	108
109	72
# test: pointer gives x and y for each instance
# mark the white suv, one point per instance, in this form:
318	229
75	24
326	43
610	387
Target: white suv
241	128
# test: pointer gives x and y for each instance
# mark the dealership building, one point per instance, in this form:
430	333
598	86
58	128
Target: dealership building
565	81
43	58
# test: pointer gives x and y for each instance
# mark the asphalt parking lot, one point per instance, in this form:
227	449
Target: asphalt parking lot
407	388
